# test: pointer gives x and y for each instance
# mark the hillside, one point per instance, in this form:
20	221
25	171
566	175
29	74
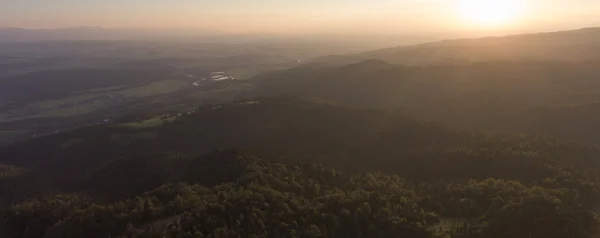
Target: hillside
551	98
309	169
570	46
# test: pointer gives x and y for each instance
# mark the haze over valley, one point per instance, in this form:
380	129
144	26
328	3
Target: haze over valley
421	119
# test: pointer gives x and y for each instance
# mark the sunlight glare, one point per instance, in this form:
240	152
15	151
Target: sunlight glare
488	12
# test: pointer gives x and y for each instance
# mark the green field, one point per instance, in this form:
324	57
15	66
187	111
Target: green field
55	108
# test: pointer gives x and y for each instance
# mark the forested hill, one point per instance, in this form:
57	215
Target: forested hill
566	46
309	170
551	98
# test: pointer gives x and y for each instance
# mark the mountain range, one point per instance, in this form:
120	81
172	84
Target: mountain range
574	45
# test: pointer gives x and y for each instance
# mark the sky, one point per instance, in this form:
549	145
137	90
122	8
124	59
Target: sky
294	16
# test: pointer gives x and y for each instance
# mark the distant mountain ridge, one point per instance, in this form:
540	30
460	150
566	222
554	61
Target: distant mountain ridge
87	33
76	33
574	45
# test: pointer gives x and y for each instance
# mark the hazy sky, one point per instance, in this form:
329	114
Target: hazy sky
291	16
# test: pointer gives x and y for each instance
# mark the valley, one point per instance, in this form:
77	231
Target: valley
467	138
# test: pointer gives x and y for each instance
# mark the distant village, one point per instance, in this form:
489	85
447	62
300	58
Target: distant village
212	78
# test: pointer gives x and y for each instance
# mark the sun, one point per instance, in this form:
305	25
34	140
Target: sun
489	12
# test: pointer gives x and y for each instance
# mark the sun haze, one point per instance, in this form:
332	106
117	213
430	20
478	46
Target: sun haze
306	16
491	12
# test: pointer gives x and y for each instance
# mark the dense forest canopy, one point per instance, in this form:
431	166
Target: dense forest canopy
302	169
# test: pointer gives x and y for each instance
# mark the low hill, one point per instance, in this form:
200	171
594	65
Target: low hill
352	139
271	126
531	97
